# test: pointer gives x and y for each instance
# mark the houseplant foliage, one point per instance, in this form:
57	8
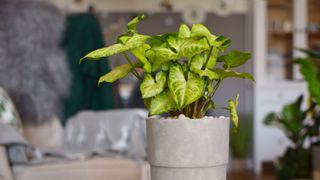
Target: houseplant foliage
181	71
241	142
301	126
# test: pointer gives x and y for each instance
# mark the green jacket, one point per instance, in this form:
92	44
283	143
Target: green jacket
83	35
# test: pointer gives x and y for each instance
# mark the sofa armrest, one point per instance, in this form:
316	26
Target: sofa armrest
5	169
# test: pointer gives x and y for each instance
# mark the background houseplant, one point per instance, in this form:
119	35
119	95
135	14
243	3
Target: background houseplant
301	126
241	142
182	72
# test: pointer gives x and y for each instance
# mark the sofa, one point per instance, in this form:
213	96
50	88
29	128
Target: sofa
96	146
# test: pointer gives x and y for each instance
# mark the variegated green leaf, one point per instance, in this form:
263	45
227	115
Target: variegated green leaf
228	73
192	46
200	30
184	31
135	41
196	65
105	52
213	57
132	25
162	103
165	53
184	91
233	110
140	53
151	87
116	73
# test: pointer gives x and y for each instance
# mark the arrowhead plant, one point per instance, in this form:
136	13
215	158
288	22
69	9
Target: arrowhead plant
182	70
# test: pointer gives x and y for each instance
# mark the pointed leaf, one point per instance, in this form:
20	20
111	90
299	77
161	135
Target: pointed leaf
213	57
184	31
162	103
195	88
221	43
116	73
184	91
233	111
191	46
310	74
136	40
151	87
196	65
165	53
105	52
227	73
234	59
132	25
200	30
140	53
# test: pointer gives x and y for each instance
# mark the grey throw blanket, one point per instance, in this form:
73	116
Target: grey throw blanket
22	153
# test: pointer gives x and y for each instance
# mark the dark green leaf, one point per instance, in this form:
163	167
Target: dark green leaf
234	59
311	53
228	73
221	43
309	72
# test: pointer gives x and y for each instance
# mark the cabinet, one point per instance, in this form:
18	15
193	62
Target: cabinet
280	27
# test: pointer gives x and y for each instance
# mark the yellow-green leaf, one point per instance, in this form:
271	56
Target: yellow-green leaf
151	87
140	53
185	90
116	73
184	31
196	65
233	111
105	52
162	103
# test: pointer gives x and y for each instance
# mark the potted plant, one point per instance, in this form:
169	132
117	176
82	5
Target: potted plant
181	77
301	126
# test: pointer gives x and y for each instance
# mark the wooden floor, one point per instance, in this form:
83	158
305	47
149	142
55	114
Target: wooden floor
247	175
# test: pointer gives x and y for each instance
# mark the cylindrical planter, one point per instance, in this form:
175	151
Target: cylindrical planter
188	149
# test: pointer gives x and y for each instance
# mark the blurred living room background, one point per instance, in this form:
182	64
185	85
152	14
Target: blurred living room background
74	129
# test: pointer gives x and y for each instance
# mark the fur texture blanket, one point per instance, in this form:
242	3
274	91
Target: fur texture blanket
33	68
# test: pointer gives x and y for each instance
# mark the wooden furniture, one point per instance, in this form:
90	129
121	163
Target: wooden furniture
280	27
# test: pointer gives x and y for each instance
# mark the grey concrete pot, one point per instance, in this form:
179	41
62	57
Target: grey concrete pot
188	149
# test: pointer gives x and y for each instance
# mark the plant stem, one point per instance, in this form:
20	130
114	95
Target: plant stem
215	88
134	71
195	110
207	60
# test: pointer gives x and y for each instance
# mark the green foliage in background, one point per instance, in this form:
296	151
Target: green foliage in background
241	142
300	125
181	68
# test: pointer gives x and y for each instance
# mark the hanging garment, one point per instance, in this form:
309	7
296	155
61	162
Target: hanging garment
83	35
